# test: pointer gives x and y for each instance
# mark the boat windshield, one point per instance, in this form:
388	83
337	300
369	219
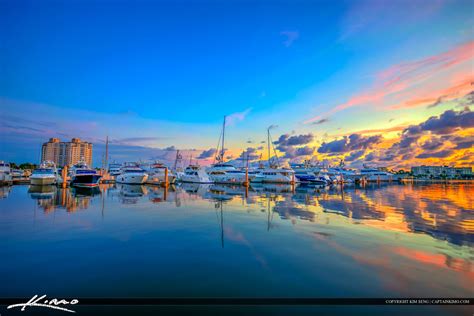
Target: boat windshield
42	171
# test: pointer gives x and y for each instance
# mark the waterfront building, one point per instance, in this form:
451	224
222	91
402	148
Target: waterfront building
442	172
66	153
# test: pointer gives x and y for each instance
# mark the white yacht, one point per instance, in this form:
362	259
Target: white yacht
274	174
156	174
376	175
83	176
131	173
5	173
114	169
45	174
195	174
277	175
226	173
222	172
304	173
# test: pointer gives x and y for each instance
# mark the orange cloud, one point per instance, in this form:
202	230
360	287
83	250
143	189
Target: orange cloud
401	85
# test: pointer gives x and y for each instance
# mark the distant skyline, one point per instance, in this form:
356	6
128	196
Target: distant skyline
388	83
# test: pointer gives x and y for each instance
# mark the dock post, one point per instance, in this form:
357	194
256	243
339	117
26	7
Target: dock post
64	175
293	183
166	177
247	176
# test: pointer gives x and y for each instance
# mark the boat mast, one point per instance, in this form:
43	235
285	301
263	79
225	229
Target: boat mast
268	146
176	160
106	152
223	137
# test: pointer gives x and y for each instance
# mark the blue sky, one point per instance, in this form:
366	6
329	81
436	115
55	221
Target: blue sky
163	73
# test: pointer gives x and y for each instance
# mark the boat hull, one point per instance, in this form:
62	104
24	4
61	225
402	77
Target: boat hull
86	181
131	178
42	180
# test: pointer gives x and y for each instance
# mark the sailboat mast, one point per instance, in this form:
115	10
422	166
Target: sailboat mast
176	160
223	137
106	152
268	145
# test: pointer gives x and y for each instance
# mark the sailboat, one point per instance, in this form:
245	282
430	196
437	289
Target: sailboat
274	173
222	172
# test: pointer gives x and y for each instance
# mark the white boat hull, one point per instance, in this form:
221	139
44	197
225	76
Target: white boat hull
131	178
160	178
5	178
42	180
194	179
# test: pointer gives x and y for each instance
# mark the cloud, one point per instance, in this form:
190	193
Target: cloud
234	118
207	153
291	36
349	143
438	154
135	140
287	140
355	155
170	148
382	16
321	121
401	85
449	122
250	153
293	152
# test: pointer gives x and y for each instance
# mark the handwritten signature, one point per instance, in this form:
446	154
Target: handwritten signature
41	301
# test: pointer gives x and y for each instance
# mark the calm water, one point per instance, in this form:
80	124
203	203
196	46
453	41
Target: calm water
221	241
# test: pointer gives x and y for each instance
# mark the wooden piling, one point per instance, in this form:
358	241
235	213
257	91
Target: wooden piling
166	184
64	176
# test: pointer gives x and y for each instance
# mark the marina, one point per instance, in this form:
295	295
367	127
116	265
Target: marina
389	239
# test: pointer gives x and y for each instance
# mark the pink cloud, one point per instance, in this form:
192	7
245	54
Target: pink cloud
400	85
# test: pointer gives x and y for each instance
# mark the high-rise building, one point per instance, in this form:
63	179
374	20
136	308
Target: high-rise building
66	153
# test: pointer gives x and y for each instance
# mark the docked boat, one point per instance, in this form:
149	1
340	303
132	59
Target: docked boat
114	169
5	173
376	175
305	174
226	174
131	173
222	172
45	174
274	173
83	176
195	174
156	174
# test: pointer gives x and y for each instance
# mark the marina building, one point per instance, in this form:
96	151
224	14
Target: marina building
441	172
66	153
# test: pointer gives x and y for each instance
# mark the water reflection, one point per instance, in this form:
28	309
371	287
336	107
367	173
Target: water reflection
442	211
390	240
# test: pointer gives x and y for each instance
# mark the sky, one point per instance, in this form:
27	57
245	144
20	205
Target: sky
386	83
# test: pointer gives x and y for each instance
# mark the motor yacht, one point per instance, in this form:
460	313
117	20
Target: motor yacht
45	174
156	173
222	172
305	174
226	173
274	173
195	174
376	175
131	173
5	173
114	169
83	176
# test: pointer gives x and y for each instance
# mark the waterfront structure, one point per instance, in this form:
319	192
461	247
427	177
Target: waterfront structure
66	153
441	172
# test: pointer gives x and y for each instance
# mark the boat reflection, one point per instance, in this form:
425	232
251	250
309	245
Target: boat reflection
441	211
